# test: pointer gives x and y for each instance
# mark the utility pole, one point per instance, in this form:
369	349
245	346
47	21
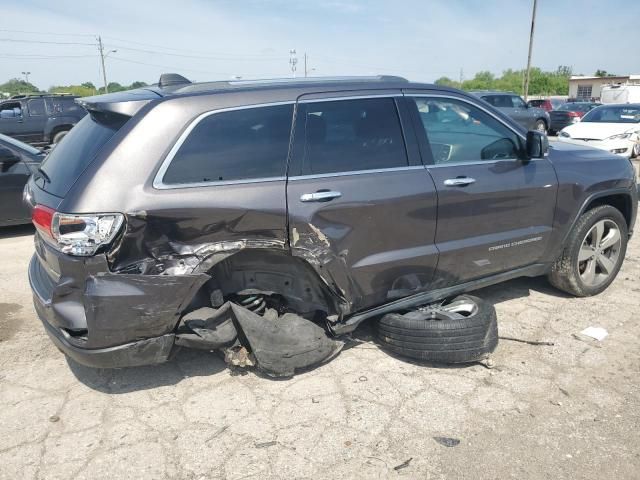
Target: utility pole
461	77
26	76
293	61
533	25
305	64
104	72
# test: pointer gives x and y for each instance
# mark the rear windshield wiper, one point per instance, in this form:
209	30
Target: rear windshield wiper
43	174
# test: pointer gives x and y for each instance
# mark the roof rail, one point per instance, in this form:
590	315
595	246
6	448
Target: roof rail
40	95
375	78
172	79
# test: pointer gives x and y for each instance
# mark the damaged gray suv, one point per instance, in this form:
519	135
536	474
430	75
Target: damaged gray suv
267	218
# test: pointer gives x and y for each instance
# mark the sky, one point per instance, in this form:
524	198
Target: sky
220	39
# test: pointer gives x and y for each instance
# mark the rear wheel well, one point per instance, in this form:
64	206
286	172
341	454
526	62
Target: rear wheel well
620	201
268	271
58	129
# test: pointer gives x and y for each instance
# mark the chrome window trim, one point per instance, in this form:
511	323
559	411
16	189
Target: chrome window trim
480	162
357	172
464	100
158	182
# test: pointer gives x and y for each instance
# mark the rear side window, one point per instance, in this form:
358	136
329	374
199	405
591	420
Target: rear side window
244	144
70	157
499	101
36	107
351	135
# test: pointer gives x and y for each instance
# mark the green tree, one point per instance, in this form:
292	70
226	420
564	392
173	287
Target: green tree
447	82
604	73
16	86
541	82
116	87
83	90
138	85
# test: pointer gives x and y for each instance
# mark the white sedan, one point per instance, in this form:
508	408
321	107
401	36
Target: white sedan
615	128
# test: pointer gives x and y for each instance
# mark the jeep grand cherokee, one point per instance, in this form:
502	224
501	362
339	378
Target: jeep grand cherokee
272	216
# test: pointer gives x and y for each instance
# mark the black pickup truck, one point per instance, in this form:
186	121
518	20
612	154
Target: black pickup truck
39	119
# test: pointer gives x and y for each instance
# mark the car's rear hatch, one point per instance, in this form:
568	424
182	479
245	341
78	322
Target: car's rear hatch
107	114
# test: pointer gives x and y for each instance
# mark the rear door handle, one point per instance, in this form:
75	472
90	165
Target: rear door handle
321	196
459	182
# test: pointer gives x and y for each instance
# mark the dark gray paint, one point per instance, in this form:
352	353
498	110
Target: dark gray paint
360	250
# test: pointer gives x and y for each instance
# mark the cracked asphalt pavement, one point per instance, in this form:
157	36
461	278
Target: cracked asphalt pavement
570	410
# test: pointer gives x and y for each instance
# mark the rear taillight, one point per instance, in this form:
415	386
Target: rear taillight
42	217
574	114
79	235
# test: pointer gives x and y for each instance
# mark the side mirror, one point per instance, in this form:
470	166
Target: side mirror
7	114
537	144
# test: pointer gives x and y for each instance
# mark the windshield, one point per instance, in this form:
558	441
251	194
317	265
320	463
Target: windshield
575	107
69	158
614	114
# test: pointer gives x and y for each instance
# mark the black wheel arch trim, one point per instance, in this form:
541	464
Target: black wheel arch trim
629	192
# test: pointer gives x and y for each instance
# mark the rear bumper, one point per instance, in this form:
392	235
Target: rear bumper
103	319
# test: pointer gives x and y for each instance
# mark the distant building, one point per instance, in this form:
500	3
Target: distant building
587	88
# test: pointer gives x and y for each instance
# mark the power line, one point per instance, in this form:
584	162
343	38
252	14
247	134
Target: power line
186	51
113	57
238	57
15	40
42	57
48	33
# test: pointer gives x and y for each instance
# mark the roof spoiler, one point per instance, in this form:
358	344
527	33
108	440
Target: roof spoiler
172	79
123	103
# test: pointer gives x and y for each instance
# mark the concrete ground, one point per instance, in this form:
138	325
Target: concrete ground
571	410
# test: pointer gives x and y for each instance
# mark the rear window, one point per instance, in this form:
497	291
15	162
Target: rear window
70	157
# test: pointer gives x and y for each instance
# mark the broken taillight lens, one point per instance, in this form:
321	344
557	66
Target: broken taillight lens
79	235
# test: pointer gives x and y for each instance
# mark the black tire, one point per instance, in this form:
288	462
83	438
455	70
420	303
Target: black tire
59	136
443	340
541	125
565	272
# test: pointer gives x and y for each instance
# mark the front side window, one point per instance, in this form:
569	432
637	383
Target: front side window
459	132
517	102
242	144
351	135
36	107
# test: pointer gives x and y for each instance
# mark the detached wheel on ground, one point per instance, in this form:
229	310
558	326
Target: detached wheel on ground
461	330
593	254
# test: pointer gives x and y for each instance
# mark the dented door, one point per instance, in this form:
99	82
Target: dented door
362	210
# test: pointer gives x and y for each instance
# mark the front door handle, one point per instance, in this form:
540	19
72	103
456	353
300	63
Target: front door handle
459	182
320	196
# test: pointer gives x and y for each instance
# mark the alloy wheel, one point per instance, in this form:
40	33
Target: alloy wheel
599	252
459	309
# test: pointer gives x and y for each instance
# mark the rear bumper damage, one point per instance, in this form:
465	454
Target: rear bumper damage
111	320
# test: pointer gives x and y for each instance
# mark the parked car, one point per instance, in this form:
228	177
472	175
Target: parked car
568	114
615	128
515	107
615	94
17	162
266	218
39	119
547	104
